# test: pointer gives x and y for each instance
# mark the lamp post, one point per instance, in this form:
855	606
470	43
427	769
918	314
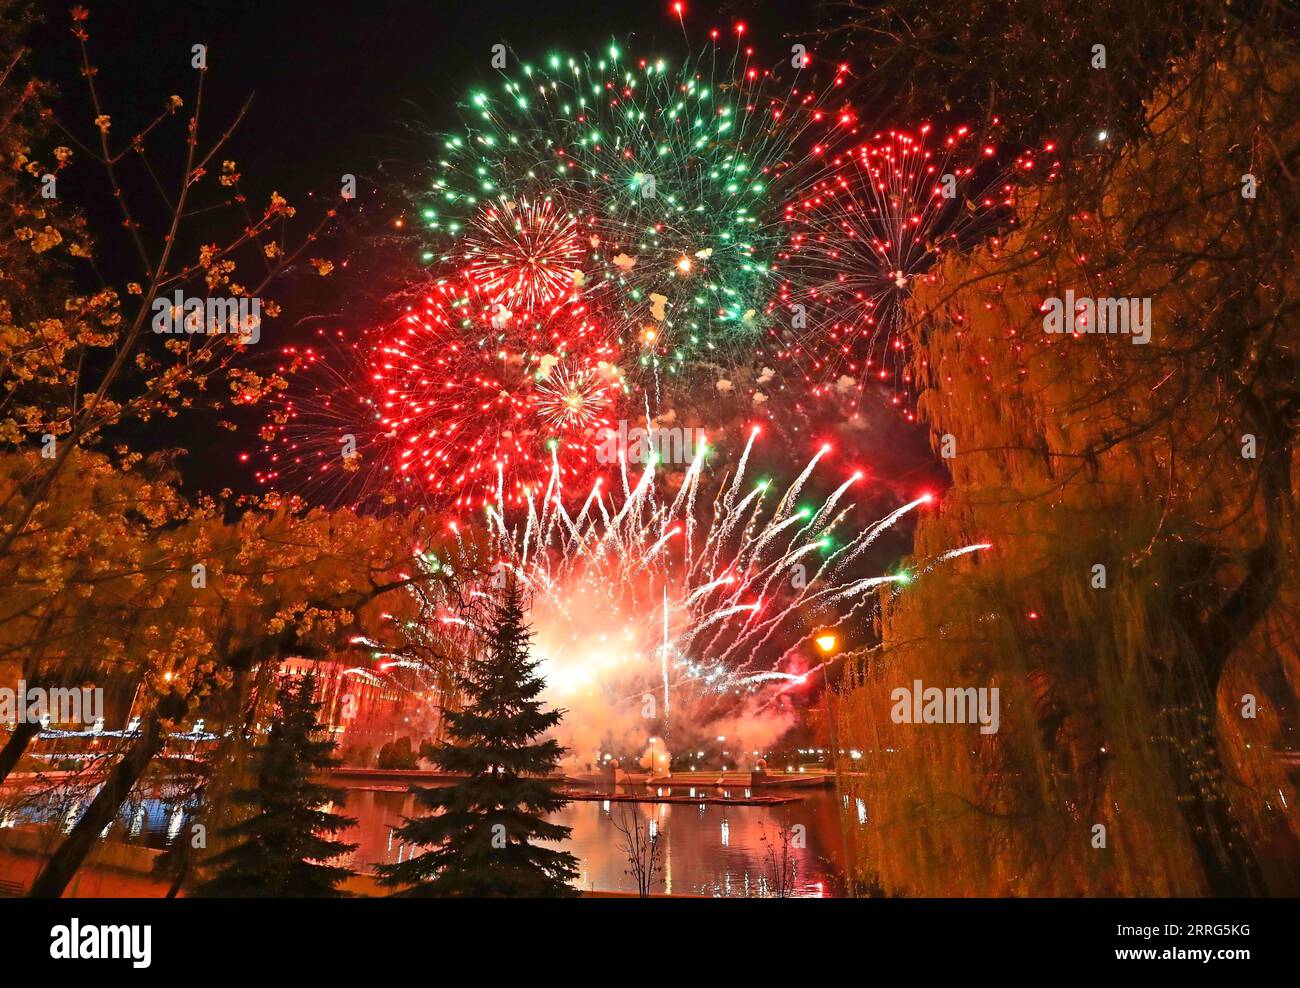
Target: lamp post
828	643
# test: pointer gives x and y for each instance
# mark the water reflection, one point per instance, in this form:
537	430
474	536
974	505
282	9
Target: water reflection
708	849
154	820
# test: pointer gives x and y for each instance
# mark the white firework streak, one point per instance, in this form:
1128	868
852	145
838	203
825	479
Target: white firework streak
712	603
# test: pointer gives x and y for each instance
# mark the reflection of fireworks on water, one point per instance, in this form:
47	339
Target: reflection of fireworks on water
658	614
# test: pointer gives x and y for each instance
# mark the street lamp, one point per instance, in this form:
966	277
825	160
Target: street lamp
827	642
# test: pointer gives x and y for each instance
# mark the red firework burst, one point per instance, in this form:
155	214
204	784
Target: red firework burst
879	219
526	256
480	410
876	223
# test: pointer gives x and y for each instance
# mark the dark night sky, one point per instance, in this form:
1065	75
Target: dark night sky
335	81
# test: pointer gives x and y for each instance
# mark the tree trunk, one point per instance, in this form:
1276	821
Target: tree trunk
182	873
1229	862
63	864
15	746
25	732
1227	859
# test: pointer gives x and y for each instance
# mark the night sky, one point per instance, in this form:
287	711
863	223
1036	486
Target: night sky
346	88
335	83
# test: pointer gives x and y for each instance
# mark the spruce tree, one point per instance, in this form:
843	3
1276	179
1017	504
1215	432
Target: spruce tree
281	850
480	832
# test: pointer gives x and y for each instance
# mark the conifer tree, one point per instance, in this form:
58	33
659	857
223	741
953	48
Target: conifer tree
282	849
481	833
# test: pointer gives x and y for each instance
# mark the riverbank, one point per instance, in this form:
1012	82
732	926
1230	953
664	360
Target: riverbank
714	840
100	880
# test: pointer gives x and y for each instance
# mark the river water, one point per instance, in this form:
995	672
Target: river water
705	849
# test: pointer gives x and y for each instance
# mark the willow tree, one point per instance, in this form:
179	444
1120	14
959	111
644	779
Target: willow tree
1136	610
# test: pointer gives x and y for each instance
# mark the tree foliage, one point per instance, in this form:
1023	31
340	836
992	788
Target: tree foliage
1138	497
